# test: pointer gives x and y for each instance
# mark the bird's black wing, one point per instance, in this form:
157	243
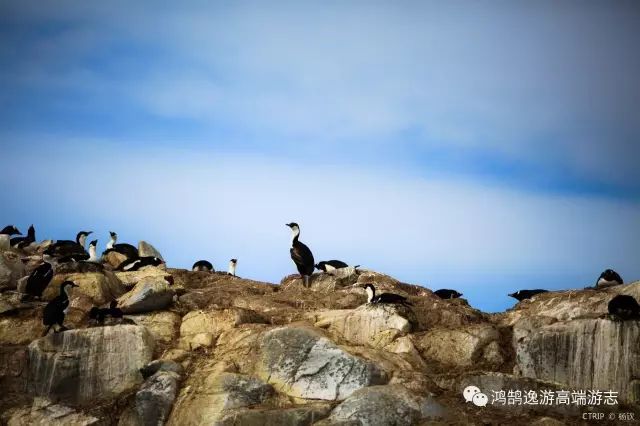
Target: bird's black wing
303	258
39	279
393	298
337	264
127	249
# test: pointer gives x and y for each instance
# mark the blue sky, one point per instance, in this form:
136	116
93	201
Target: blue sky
482	146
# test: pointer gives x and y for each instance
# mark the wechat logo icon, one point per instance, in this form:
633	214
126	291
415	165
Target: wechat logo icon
473	394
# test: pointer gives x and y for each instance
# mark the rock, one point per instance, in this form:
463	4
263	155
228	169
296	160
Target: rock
163	325
324	282
161	365
583	354
114	259
20	330
147	295
200	327
303	363
386	405
363	325
296	416
84	366
460	347
11	270
145	249
146	274
205	397
79	267
101	287
155	398
44	412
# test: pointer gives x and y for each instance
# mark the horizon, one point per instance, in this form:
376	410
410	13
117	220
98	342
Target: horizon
484	148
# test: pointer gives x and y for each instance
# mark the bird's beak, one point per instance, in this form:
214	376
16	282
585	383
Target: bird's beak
74	285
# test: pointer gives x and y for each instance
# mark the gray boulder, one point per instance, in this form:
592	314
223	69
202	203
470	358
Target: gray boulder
88	365
11	270
145	249
155	398
44	412
161	365
303	363
386	405
148	295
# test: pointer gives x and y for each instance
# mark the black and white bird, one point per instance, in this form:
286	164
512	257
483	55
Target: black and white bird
300	254
99	314
445	293
332	265
608	278
70	251
39	279
202	265
5	236
138	263
233	263
93	252
521	295
384	298
123	248
56	310
23	242
624	307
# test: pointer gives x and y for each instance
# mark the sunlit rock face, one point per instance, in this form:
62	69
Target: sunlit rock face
81	367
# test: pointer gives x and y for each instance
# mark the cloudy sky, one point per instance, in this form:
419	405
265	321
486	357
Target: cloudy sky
484	146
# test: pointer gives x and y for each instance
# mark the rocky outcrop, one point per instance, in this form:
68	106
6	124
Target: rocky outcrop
147	295
44	412
303	363
163	325
307	414
386	405
155	398
80	367
145	249
201	328
11	270
99	287
207	397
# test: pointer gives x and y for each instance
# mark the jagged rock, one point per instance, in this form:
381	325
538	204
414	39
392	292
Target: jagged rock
79	267
44	412
163	325
145	249
583	354
295	416
146	274
303	363
114	259
324	282
205	397
148	295
19	330
363	325
155	398
200	328
11	270
161	365
84	366
386	405
460	347
100	287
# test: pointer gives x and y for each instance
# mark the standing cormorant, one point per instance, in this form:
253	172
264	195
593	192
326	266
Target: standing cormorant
127	249
300	254
39	279
55	310
232	267
386	298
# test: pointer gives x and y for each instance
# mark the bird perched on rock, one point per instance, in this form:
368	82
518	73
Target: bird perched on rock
5	236
202	265
39	279
624	307
384	298
70	251
232	267
99	314
332	265
22	242
521	295
300	254
445	293
608	278
56	310
138	263
123	248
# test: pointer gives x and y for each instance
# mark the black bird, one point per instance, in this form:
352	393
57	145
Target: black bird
331	265
127	249
5	236
55	310
445	293
385	298
203	265
38	281
67	250
624	307
300	254
521	295
99	314
140	262
608	278
22	242
232	267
